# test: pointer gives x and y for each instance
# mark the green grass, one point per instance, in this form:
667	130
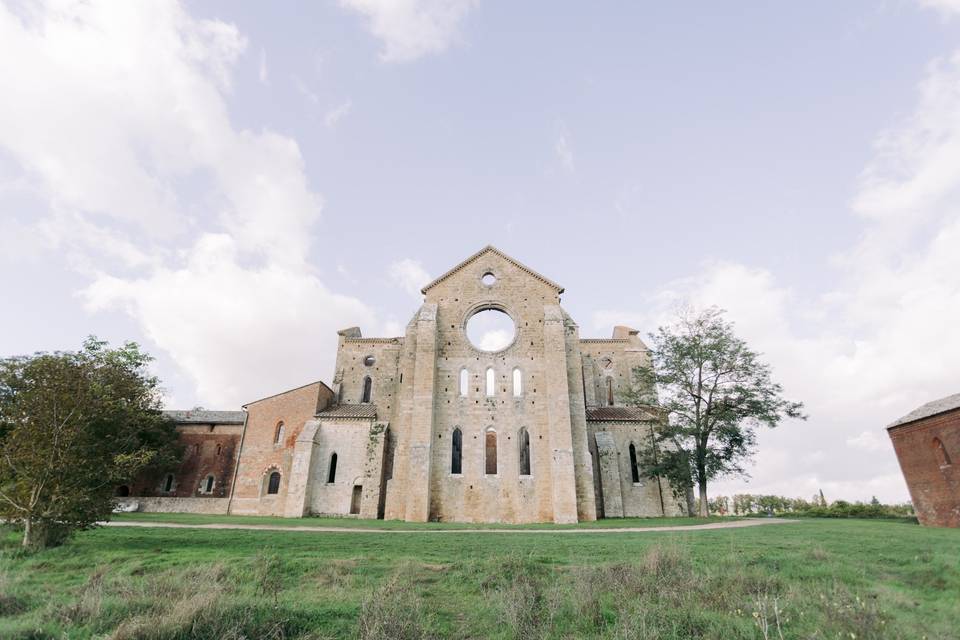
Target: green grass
825	578
393	525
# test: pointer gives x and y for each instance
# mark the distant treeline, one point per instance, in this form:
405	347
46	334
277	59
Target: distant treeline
745	504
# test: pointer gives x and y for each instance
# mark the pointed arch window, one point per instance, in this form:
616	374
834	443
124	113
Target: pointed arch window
490	452
208	483
610	391
273	484
524	438
278	433
456	452
943	458
464	382
634	469
517	383
367	390
332	471
491	382
168	483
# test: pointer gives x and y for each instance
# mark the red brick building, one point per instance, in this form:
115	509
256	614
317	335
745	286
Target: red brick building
211	444
927	442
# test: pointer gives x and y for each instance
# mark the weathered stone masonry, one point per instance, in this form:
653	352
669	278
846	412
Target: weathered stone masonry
428	426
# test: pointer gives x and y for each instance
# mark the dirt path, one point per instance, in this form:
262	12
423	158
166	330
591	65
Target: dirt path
736	524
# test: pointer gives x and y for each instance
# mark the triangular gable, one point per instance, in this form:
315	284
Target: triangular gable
491	249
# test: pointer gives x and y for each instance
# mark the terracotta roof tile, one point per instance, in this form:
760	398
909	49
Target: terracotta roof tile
350	411
619	414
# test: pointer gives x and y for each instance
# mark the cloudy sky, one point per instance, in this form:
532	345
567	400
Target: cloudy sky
230	183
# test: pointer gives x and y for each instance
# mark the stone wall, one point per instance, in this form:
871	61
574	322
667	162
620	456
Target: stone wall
431	406
359	358
359	449
210	506
648	497
929	454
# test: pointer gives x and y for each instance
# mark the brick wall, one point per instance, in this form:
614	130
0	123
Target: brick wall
208	450
934	485
263	454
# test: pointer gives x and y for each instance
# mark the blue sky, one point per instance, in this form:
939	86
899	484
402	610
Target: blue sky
229	183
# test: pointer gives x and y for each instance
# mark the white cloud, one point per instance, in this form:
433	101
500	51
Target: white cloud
869	441
198	230
409	275
235	329
263	73
495	340
884	340
945	7
334	115
410	29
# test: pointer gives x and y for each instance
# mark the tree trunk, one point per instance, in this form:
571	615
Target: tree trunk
28	533
34	534
704	505
691	506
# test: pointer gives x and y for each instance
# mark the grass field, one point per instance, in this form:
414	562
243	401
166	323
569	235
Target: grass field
815	578
399	525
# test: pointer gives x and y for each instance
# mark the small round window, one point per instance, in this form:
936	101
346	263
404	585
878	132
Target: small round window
491	330
488	279
369	360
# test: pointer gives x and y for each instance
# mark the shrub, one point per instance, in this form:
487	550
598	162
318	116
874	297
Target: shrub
394	611
523	609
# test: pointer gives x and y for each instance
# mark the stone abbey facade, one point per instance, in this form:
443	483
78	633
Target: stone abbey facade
429	426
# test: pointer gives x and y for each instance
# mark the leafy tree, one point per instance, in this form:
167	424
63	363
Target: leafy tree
713	391
74	425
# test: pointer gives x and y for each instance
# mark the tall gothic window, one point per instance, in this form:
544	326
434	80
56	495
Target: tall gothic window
524	438
456	454
332	472
517	383
491	382
278	433
464	382
168	483
610	391
367	389
634	469
273	485
490	450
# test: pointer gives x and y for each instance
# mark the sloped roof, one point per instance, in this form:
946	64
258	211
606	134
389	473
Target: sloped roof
350	411
619	414
303	386
492	249
930	409
202	416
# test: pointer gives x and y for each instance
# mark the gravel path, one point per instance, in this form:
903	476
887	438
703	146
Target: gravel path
736	524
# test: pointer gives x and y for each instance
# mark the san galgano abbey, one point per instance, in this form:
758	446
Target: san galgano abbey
432	425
